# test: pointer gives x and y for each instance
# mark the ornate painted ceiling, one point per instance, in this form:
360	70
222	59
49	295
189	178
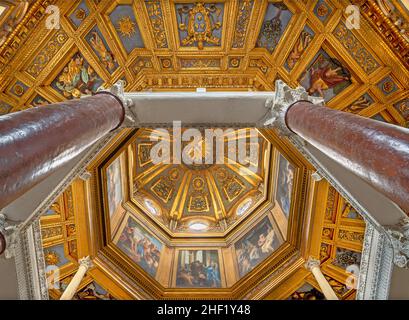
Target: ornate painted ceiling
186	216
178	45
235	45
210	196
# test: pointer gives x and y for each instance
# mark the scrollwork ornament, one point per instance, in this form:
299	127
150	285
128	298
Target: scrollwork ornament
312	263
86	262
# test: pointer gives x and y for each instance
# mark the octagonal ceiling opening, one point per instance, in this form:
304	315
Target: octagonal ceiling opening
152	217
211	191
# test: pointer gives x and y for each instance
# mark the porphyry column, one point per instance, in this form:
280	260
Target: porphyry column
376	152
34	143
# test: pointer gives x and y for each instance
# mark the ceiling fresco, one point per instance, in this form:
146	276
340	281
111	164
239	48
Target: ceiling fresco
235	45
237	210
178	45
338	238
213	196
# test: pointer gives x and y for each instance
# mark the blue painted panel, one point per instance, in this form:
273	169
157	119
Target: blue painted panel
125	24
79	14
274	25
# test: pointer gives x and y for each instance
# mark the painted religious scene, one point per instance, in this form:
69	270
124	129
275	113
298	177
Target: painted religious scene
256	246
238	224
114	186
285	182
139	245
325	76
299	49
198	269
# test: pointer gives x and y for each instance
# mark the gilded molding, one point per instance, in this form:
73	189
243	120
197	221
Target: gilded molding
355	48
47	53
385	28
22	32
242	24
155	13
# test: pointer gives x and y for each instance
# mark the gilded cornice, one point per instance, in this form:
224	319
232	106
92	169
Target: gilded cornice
385	27
22	32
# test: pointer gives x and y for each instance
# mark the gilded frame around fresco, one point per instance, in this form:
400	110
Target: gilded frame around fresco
139	278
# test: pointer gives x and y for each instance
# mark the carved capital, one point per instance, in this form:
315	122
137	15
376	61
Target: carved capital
8	237
86	262
223	224
399	237
312	263
118	90
278	106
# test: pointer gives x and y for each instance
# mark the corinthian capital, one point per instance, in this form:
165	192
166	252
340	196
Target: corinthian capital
284	98
8	236
312	263
86	262
118	90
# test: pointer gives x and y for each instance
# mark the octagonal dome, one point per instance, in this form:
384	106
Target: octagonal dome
201	196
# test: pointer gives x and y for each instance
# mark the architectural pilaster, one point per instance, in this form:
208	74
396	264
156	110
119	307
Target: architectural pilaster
24	246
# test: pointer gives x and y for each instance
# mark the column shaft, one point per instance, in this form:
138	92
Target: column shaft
375	151
323	283
73	286
36	142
